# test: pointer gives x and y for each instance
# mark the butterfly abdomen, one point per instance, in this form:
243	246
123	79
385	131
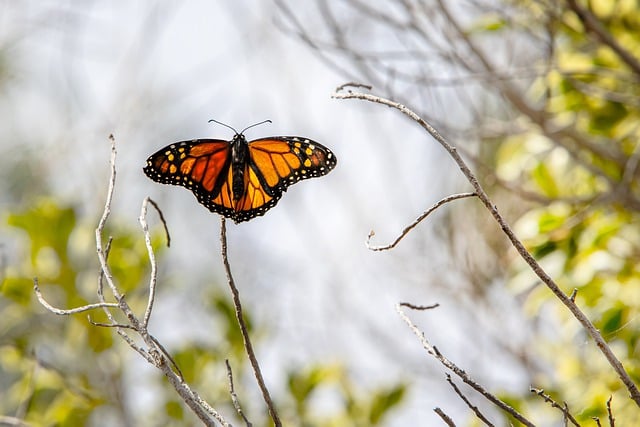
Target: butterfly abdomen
239	156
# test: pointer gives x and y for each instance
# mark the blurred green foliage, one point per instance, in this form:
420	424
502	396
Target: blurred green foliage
584	226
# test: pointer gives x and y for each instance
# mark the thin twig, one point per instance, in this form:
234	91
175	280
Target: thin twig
243	327
101	224
67	312
410	227
110	325
565	411
164	222
234	396
152	260
448	421
516	243
418	307
471	406
612	420
573	295
459	372
354	85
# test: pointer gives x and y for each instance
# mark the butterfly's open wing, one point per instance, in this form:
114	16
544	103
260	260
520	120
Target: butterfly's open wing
205	167
202	166
285	160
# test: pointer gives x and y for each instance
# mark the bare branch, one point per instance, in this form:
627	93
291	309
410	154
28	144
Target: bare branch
565	411
103	221
234	396
110	325
448	421
516	243
164	222
243	327
474	408
354	85
152	259
612	420
459	372
573	295
410	227
418	307
67	312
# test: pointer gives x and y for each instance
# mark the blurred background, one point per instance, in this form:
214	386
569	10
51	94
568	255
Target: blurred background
503	81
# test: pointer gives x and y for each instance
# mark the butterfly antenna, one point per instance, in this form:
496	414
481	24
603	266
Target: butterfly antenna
225	125
256	124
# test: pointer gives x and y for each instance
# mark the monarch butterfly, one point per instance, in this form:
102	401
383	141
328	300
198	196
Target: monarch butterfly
240	179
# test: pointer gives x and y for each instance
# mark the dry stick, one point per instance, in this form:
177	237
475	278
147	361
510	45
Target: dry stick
448	421
110	317
459	372
517	244
419	307
142	219
63	312
164	222
243	327
471	406
565	411
612	421
410	227
234	396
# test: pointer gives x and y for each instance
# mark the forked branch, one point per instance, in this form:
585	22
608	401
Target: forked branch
153	351
433	351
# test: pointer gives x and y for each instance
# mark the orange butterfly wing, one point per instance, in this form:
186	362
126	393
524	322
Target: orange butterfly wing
206	167
201	165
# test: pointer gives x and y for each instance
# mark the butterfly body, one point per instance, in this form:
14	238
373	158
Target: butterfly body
240	179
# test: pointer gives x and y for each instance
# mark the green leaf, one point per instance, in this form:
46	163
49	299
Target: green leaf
384	400
612	320
545	181
18	289
174	409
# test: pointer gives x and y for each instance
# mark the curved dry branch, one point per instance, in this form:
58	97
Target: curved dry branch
152	258
615	363
67	312
411	226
